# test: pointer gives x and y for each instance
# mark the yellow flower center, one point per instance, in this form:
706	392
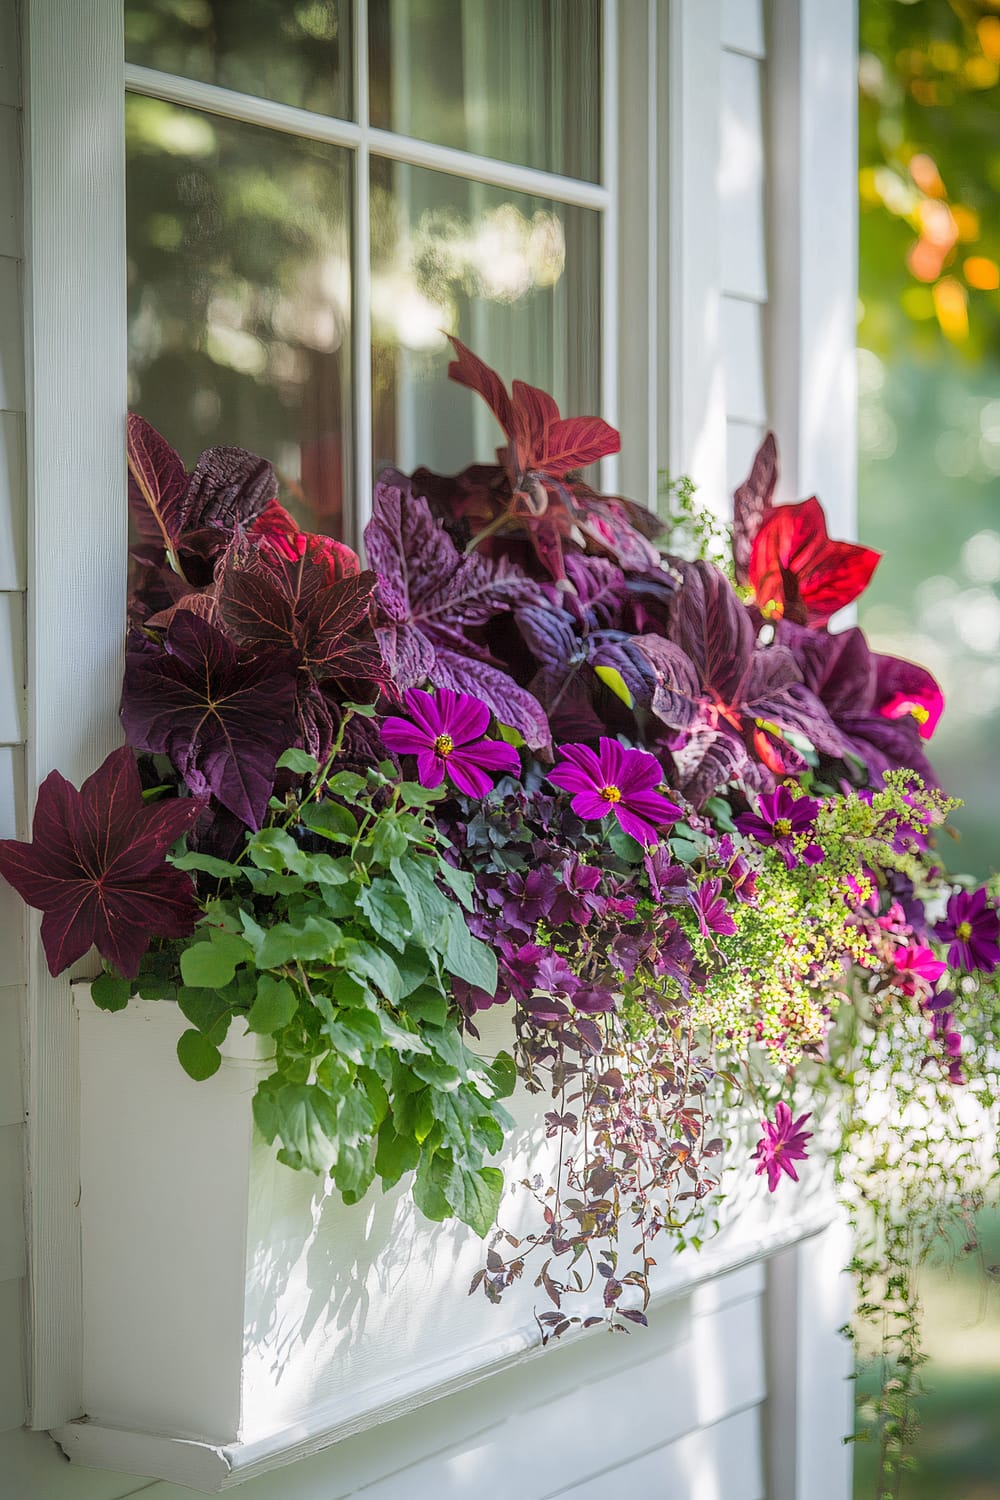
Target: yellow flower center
963	931
444	745
611	794
919	712
783	827
772	609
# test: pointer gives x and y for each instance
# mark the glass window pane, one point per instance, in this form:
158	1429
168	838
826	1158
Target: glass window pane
293	51
519	80
517	278
239	296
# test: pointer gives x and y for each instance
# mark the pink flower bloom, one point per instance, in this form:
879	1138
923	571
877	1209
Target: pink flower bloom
447	737
616	780
917	969
781	1144
711	910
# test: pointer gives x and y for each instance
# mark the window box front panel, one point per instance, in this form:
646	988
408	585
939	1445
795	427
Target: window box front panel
238	1316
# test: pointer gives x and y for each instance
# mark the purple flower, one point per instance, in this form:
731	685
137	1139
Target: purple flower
781	1144
711	910
943	1029
616	780
668	881
447	736
523	898
972	927
739	869
780	819
917	969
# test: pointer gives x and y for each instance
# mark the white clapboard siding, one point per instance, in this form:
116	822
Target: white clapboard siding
722	1462
741	178
12	732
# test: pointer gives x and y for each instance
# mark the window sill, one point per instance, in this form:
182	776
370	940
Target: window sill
236	1319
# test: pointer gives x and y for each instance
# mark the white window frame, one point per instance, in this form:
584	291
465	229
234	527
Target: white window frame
662	380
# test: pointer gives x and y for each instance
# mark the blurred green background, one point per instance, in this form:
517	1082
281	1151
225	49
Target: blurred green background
929	492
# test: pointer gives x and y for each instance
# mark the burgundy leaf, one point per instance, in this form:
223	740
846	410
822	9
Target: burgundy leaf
222	720
157	484
797	571
752	503
267	600
430	604
96	867
229	488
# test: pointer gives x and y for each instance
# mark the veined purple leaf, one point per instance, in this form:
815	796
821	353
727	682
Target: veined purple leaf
431	602
751	504
223	721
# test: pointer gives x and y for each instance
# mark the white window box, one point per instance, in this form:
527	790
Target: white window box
237	1318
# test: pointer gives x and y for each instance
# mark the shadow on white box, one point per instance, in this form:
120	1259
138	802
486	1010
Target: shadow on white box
237	1316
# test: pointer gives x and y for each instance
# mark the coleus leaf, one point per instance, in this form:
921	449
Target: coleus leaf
275	528
539	500
752	503
799	573
96	867
431	602
222	720
228	488
268	600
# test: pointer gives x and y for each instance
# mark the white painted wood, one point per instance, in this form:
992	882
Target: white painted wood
12	714
301	122
743	26
11	1106
32	1467
10	181
741	179
696	393
12	501
11	1371
813	237
643	360
11	337
810	1406
10	70
231	1304
75	314
743	349
713	1463
742	441
610	219
11	1202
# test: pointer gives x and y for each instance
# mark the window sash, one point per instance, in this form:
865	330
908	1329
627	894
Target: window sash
364	140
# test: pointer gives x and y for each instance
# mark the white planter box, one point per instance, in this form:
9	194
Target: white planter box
237	1318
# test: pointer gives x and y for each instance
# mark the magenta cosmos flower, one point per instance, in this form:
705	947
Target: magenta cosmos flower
446	736
917	970
972	927
781	1144
618	781
779	820
711	910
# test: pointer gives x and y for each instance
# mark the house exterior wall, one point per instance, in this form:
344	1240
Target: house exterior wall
678	1411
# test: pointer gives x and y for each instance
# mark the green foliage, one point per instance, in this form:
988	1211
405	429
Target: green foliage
693	531
336	934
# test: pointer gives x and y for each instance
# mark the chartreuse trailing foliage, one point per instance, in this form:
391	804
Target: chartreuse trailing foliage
682	831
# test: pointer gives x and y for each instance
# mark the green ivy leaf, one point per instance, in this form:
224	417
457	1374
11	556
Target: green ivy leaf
299	761
395	1154
331	820
462	882
625	846
316	939
110	992
386	908
346	784
479	1199
467	957
274	1006
197	1055
212	965
388	839
203	1008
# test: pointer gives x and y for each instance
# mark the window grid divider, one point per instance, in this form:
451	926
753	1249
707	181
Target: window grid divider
363	140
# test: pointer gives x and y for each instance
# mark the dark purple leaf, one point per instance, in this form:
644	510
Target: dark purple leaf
96	866
431	604
223	721
752	503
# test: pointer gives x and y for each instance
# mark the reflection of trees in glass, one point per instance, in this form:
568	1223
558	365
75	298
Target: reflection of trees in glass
929	372
294	51
239	294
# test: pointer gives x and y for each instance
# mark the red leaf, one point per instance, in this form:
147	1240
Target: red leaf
468	370
276	529
798	573
752	502
575	443
96	867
